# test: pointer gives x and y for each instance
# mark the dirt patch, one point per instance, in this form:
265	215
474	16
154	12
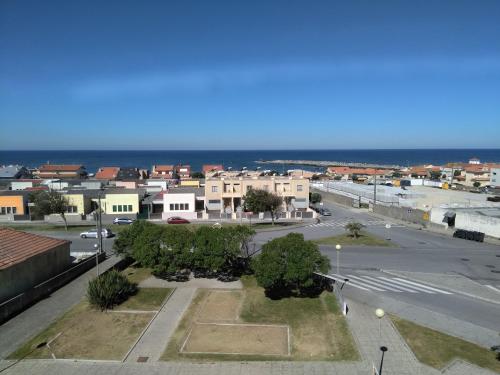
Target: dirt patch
221	306
237	339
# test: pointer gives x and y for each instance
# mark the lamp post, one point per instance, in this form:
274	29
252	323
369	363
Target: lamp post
383	349
338	248
380	314
96	247
388	226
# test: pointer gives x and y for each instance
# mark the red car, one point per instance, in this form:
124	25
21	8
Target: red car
177	220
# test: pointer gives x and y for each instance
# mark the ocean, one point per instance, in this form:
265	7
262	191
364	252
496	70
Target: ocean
238	159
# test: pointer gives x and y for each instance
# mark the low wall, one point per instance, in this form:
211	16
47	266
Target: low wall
20	302
337	198
411	215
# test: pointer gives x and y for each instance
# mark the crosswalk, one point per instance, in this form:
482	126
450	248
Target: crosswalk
343	222
385	284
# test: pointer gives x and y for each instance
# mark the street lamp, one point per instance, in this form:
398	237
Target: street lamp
380	313
338	248
388	226
96	247
383	349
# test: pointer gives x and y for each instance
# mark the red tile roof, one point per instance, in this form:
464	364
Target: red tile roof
60	167
212	167
163	168
17	246
107	173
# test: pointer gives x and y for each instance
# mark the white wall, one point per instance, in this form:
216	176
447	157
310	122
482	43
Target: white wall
469	221
188	198
21	185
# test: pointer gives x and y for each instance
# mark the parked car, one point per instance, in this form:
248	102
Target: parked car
325	212
92	233
123	221
177	220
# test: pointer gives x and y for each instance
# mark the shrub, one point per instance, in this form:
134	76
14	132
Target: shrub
109	289
354	228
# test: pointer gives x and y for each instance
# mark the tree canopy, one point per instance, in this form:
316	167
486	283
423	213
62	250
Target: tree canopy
48	203
315	198
287	264
258	200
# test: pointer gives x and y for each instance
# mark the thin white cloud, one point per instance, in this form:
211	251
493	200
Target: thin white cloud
201	80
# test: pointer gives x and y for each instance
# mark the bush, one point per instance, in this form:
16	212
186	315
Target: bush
109	289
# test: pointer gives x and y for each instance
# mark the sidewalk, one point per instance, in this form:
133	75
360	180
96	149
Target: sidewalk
370	336
36	318
154	340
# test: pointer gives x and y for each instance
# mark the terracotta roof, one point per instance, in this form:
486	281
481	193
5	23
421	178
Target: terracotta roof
212	167
17	246
349	170
107	173
163	168
60	167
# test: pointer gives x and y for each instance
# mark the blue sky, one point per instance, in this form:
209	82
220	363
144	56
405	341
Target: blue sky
254	74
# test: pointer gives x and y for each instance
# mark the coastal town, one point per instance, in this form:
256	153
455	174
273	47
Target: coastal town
468	193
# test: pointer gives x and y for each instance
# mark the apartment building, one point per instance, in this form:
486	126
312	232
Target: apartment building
162	171
226	192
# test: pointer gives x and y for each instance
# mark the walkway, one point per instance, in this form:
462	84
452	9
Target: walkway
154	340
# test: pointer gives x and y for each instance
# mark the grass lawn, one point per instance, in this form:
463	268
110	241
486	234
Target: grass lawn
365	239
136	274
146	299
437	349
84	332
318	330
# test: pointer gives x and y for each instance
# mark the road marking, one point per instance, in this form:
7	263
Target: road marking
492	288
386	282
357	283
341	279
377	284
406	285
423	286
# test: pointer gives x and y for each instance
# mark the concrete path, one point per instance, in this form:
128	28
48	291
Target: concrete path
33	320
155	338
371	333
154	282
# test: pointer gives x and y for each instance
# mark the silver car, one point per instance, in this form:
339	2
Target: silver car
92	233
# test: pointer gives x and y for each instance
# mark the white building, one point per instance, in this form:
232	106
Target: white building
495	177
182	202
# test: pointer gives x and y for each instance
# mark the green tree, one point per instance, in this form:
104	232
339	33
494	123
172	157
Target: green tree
354	228
287	264
50	202
337	178
197	175
476	184
315	198
258	200
176	247
457	173
396	174
124	241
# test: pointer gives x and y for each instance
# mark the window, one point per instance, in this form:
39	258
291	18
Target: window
214	189
9	210
177	206
14	210
171	206
115	208
249	187
2	211
120	208
72	209
186	206
214	201
129	208
300	188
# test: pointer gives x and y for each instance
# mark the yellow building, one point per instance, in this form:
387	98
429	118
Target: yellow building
120	201
79	202
190	183
13	203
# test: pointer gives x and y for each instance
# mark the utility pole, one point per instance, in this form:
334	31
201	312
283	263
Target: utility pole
375	190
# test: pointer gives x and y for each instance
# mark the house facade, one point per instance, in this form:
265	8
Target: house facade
13	204
183	202
225	193
162	171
